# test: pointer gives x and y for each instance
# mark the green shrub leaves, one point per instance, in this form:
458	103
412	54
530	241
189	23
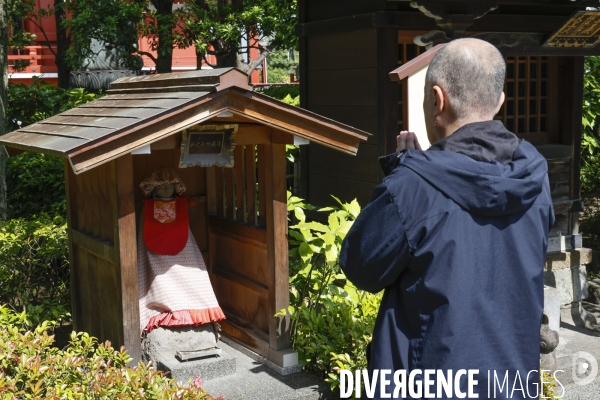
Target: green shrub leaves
32	368
331	320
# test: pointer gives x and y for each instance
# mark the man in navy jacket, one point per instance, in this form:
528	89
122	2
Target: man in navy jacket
457	237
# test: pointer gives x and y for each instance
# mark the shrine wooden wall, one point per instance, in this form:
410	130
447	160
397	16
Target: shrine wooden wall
103	256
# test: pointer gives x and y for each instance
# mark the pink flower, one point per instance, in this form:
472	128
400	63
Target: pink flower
197	382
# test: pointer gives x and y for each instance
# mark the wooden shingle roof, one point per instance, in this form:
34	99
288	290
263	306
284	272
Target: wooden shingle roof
141	110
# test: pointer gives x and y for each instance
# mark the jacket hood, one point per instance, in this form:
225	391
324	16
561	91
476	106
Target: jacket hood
478	184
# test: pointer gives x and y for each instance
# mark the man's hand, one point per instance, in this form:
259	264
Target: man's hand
407	140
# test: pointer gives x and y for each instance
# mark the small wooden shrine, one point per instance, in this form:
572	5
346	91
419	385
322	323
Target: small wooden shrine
240	218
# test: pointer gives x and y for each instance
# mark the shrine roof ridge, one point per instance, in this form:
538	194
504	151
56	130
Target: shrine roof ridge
153	107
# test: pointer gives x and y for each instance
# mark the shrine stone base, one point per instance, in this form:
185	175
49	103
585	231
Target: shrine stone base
208	368
566	271
162	344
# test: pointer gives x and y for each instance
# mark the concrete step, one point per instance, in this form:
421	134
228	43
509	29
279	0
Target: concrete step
255	381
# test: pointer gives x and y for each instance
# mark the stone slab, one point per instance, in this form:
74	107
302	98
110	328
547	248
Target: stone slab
552	302
208	368
289	358
568	259
570	282
177	339
255	381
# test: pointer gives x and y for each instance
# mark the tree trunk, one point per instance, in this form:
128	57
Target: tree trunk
231	59
62	45
3	100
164	50
199	59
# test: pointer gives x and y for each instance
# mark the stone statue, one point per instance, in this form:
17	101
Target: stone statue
548	343
178	308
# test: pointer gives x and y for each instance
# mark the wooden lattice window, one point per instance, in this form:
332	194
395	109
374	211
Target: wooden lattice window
529	108
406	52
238	197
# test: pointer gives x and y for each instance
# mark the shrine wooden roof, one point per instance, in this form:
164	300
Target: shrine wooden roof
416	64
141	110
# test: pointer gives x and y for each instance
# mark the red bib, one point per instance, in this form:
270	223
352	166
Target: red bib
166	225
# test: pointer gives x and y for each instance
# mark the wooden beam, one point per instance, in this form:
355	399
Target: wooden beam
256	237
576	115
211	190
540	3
240	280
414	20
281	137
277	245
246	334
416	64
252	134
277	115
94	245
387	93
71	195
126	244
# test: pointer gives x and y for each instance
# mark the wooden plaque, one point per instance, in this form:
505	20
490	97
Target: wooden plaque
208	145
581	31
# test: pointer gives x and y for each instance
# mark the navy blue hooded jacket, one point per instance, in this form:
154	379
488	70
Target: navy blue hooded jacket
457	237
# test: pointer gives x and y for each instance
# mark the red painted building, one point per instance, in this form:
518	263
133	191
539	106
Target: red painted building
42	61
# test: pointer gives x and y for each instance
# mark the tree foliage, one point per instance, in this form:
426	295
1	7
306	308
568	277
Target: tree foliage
280	64
39	100
213	27
114	23
590	153
3	99
218	27
590	141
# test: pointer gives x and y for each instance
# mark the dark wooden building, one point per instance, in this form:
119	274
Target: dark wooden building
240	218
349	47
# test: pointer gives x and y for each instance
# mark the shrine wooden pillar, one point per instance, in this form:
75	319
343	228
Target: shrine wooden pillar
103	255
277	245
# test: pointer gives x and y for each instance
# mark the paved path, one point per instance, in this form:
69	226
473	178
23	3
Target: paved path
254	381
572	340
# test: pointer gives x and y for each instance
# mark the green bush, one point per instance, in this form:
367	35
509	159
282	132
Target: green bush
35	184
331	320
31	367
280	64
34	269
590	153
281	92
39	100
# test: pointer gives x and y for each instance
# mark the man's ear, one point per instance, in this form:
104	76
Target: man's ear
440	100
500	103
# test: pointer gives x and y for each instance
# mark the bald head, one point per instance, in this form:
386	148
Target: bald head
471	72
